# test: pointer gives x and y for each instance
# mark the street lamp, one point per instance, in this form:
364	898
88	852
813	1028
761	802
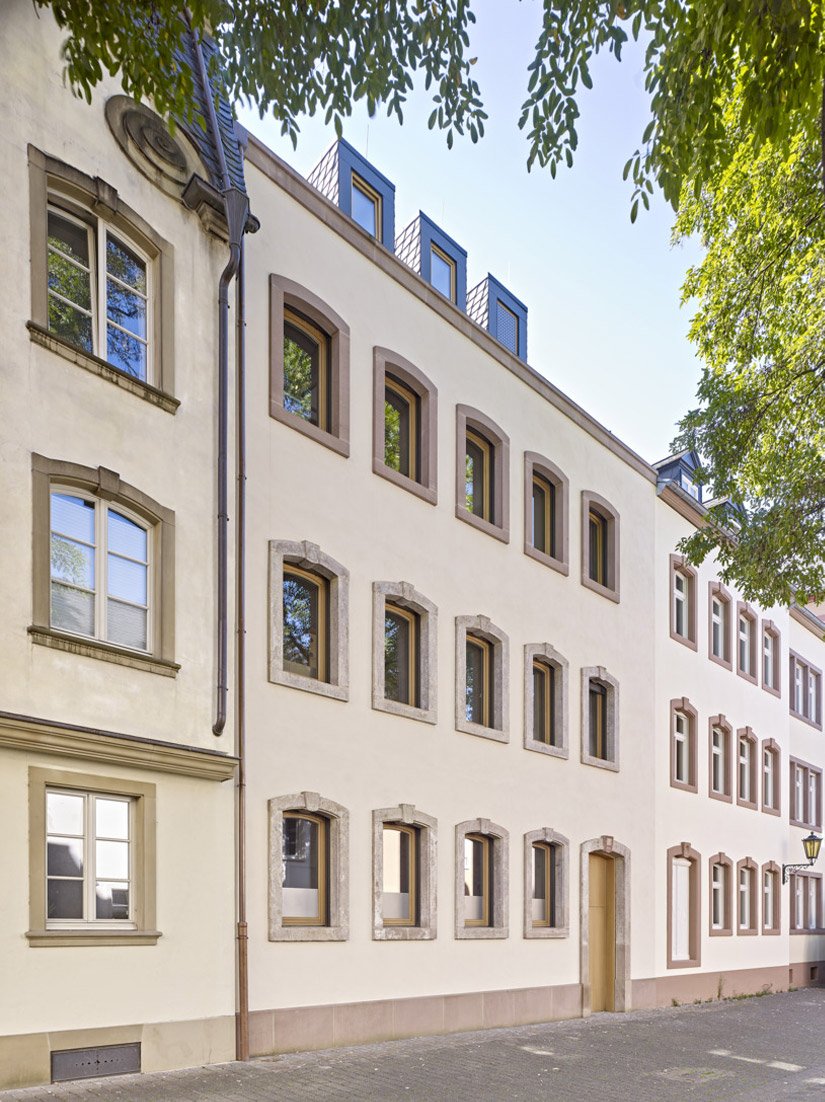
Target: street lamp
811	845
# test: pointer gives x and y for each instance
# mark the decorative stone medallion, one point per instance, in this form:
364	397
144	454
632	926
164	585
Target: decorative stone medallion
168	160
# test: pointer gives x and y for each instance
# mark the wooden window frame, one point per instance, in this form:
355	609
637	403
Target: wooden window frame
726	928
388	364
322	825
686	852
404	597
484	631
611	685
559	850
450	262
537	466
678	565
409	817
721	723
498	839
413	622
296	320
681	706
321	585
358	183
594	503
548	656
470	421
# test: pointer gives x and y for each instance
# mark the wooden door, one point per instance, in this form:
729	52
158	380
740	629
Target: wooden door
602	932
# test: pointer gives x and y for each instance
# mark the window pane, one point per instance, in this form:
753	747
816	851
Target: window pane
301	374
64	813
397	645
598	721
111	818
301	624
598	549
112	860
125	265
300	868
126	625
476	682
64	857
539	704
126	537
73	517
396	875
70	324
72	562
540	885
540	505
111	900
365	210
681	909
72	610
397	450
65	899
69	237
507	327
126	308
475	857
127	580
477	479
441	273
126	353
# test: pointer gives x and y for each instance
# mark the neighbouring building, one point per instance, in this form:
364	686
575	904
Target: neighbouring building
507	757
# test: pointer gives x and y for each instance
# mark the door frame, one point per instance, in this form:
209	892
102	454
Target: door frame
607	846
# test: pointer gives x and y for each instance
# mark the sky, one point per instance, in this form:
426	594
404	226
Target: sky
603	296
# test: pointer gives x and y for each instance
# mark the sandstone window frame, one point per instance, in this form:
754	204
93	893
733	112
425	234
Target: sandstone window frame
98	200
548	655
499	900
471	420
809	674
679	566
591	502
405	596
681	706
389	363
309	557
725	928
803	881
684	851
746	734
772	869
143	877
754	897
483	628
426	827
600	675
771	747
746	612
770	630
337	894
808	773
720	723
545	836
107	486
286	294
717	591
538	466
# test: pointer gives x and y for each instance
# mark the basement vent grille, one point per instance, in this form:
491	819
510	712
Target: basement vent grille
87	1063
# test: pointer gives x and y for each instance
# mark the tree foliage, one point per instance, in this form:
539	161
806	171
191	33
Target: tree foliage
760	332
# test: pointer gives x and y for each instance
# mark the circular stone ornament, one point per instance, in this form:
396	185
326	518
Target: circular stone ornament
168	160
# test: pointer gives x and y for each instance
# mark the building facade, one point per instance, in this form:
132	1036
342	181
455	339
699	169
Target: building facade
506	757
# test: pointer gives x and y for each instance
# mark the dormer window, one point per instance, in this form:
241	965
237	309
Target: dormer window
360	191
491	305
442	272
691	487
507	326
432	253
366	206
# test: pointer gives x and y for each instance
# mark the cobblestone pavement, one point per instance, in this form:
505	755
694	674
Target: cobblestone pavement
760	1049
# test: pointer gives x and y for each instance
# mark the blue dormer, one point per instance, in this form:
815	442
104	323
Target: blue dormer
358	189
428	250
495	308
681	469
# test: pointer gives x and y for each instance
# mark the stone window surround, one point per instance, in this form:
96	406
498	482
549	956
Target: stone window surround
143	857
483	627
683	705
561	716
310	557
776	873
811	822
804	929
678	564
599	673
606	846
748	733
748	611
426	874
716	589
773	747
685	850
466	417
562	903
405	596
91	194
500	899
283	293
793	658
721	722
755	897
535	464
770	628
726	930
338	895
591	500
107	486
386	362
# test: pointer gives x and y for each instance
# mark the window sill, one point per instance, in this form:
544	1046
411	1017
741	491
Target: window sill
406	711
546	560
693	963
320	436
602	590
685	640
486	526
546	932
107	652
747	677
747	933
600	763
403	933
771	933
309	933
66	938
684	786
750	805
723	797
770	689
544	748
309	685
721	662
805	720
771	810
481	933
811	933
727	932
100	367
477	729
426	493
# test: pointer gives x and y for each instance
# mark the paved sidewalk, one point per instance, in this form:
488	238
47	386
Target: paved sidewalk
761	1049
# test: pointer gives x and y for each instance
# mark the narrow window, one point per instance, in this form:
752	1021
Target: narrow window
799	903
304	869
813	697
479	699
306	370
544	702
478	876
401	649
544	512
544	886
71	252
680	614
717	897
366	206
507	327
127	309
767	899
745	637
769	660
745	750
478	476
744	899
442	272
813	902
718	762
680	909
798	811
598	720
401	419
681	756
306	623
768	778
799	693
597	562
399	899
718	621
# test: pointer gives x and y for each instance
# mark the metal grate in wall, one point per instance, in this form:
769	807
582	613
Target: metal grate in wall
88	1063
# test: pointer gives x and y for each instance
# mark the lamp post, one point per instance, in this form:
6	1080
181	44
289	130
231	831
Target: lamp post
811	845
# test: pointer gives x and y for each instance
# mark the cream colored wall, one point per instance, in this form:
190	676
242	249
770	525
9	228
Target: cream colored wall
365	759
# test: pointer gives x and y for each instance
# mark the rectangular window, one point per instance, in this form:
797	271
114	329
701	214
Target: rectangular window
717	898
479	476
681	760
479	699
544	885
598	720
799	903
442	272
398	885
597	560
770	778
306	623
746	626
717	628
767	899
745	752
769	660
401	649
744	899
366	206
401	433
544	703
304	869
478	876
680	610
813	903
680	882
544	511
718	762
306	370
